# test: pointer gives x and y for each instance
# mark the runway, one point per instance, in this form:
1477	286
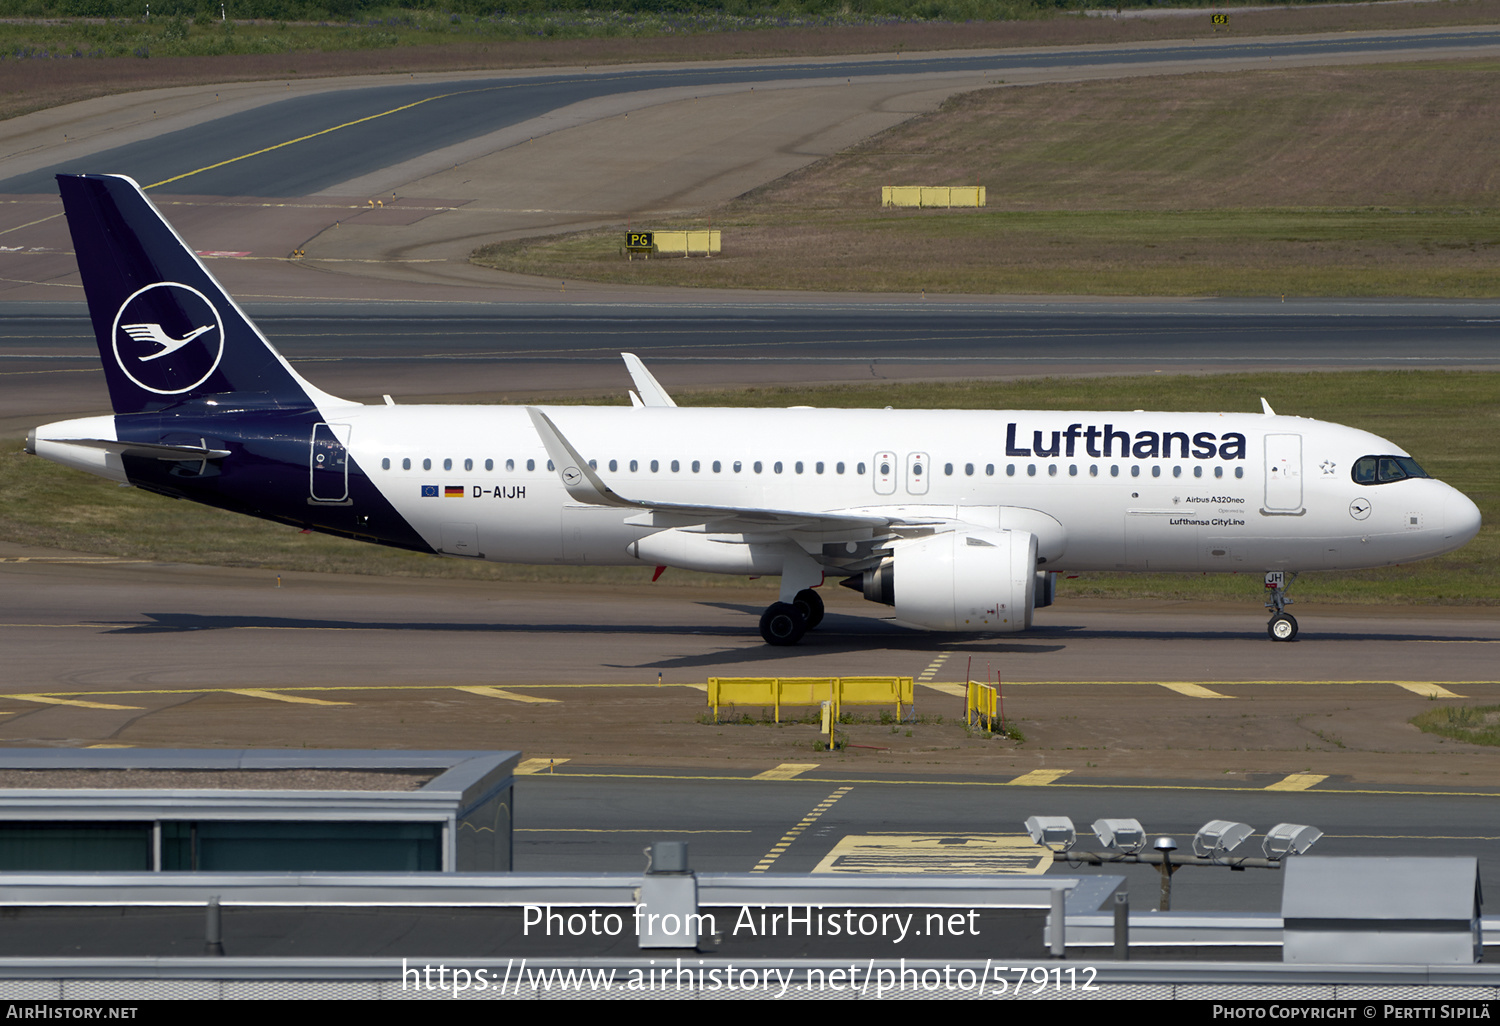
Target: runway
471	352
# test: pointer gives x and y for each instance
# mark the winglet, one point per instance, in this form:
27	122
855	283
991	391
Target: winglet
1265	407
582	483
652	394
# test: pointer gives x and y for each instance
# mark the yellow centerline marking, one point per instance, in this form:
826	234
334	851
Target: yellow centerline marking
1427	690
1191	690
796	831
51	700
313	135
273	696
492	692
530	766
786	771
1297	782
1037	778
621	830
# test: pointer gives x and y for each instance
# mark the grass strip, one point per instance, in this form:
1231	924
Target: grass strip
1477	724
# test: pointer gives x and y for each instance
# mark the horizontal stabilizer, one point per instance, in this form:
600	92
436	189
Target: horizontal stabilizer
149	450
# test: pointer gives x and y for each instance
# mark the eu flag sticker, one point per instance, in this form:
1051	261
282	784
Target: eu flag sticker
429	491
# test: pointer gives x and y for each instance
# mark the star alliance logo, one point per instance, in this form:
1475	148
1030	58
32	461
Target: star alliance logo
168	338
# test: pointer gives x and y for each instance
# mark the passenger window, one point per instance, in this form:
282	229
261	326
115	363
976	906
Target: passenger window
968	470
593	464
1010	470
1176	471
1218	472
777	466
818	467
989	470
385	463
1197	471
1031	470
838	468
489	464
655	466
406	463
550	466
1072	470
859	468
948	469
1114	471
468	464
510	464
797	466
531	464
718	466
737	466
1093	470
1135	470
1156	472
447	464
676	466
614	465
634	466
697	466
1052	470
427	463
1239	471
758	467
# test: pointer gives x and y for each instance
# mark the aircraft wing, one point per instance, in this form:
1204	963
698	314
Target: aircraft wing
584	485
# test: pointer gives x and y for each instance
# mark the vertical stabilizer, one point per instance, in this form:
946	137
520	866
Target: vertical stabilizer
167	330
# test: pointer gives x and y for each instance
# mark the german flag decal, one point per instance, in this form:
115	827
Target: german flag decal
453	491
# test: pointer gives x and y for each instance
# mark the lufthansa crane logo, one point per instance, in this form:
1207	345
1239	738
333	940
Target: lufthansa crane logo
168	338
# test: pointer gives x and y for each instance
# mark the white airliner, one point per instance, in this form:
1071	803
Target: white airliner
958	520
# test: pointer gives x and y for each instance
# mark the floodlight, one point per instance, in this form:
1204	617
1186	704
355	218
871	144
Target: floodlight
1056	832
1220	837
1165	844
1289	839
1125	834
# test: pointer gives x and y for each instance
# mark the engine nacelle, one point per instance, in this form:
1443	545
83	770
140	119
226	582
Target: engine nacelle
972	580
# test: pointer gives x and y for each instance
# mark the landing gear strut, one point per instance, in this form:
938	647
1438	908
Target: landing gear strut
1283	626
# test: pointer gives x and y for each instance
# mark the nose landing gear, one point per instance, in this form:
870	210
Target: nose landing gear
1283	626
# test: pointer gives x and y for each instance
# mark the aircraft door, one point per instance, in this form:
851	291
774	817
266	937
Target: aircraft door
328	463
917	471
1283	474
885	473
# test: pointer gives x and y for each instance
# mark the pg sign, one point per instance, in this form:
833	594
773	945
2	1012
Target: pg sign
640	241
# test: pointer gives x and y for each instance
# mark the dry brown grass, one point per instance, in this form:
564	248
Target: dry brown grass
28	85
1376	180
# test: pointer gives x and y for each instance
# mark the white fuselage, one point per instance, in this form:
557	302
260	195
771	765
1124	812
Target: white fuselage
1236	491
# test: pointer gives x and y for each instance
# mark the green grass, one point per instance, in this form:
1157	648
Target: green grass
1448	420
1478	725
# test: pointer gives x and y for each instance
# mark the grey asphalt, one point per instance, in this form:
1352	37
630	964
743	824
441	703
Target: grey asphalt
441	114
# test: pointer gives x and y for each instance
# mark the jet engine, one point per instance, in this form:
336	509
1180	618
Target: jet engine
970	580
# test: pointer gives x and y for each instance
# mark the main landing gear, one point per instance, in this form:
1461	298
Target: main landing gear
784	623
1283	625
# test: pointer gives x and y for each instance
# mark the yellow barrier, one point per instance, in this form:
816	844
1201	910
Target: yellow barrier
776	692
704	242
932	196
981	707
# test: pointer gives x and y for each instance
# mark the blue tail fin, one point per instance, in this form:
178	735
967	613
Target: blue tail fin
167	331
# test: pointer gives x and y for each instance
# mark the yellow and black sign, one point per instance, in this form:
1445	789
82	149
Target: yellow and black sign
639	240
1221	19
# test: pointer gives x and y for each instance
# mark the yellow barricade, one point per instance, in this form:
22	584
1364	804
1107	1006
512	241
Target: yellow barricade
932	196
776	692
703	242
982	705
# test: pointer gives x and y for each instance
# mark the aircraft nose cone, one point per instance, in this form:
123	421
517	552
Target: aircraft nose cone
1460	517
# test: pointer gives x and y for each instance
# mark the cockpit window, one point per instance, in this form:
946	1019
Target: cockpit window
1371	470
